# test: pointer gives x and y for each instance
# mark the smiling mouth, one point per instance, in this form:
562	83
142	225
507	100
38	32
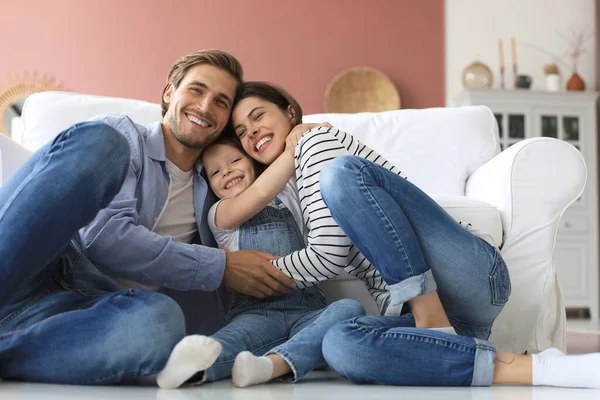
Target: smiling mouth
262	142
203	123
232	183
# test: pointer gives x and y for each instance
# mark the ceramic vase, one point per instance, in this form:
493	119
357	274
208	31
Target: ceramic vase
575	83
553	83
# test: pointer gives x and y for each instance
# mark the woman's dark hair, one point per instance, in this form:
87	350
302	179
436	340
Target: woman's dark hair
271	93
268	92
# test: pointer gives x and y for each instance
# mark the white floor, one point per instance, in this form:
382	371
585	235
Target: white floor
585	337
319	385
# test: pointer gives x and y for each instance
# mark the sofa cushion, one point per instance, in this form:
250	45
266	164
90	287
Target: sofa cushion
483	216
437	148
46	114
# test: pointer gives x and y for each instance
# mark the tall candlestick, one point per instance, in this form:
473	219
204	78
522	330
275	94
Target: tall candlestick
513	46
501	54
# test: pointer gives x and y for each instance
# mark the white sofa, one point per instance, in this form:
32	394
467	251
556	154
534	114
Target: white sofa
516	196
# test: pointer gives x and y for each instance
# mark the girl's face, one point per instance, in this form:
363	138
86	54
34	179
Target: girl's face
229	171
262	128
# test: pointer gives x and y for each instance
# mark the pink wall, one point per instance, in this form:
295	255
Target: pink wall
125	48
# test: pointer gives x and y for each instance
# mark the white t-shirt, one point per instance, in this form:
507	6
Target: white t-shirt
177	218
229	238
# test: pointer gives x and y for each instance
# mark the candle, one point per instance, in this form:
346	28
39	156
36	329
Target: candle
513	47
501	53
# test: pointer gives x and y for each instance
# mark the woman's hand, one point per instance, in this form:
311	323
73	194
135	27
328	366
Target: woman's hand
297	132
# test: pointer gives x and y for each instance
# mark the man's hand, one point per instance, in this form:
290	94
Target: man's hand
293	138
250	272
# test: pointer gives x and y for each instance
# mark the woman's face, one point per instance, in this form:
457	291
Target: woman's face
262	128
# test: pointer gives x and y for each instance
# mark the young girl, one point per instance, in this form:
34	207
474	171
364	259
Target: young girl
288	330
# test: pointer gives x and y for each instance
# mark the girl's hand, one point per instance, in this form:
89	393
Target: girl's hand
297	132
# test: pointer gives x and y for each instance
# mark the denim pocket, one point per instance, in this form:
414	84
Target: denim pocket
500	281
277	238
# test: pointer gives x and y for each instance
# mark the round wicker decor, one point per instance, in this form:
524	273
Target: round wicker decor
23	85
361	89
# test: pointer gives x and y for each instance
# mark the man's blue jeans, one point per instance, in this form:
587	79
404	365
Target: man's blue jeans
61	320
418	248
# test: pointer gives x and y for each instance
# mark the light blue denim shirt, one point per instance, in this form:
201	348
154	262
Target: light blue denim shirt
120	240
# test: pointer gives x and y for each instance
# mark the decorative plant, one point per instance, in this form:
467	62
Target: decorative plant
576	40
551	69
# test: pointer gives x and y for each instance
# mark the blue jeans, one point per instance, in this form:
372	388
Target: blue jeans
61	320
291	326
418	248
390	350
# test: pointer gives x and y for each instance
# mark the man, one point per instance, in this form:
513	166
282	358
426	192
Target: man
64	321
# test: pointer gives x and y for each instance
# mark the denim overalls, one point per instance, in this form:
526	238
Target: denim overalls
290	326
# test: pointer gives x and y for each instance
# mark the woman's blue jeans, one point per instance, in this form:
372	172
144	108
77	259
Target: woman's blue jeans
418	248
61	320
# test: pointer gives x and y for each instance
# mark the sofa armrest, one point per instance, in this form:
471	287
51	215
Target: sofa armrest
12	156
531	183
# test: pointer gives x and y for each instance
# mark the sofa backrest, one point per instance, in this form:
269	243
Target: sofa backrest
437	148
46	114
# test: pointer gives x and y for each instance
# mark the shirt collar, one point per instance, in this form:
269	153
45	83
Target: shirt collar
156	145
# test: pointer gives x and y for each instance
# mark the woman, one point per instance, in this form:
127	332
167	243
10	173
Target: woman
360	211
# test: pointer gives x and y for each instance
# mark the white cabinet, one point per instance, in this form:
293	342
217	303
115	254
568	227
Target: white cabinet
569	116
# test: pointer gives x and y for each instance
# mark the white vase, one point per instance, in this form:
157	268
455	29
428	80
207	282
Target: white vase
553	83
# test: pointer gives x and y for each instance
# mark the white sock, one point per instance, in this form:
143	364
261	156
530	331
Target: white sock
553	368
192	354
448	329
251	370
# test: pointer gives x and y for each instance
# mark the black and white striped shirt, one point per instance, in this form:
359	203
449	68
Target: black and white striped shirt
329	250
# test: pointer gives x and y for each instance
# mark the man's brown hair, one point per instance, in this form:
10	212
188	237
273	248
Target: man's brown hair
216	58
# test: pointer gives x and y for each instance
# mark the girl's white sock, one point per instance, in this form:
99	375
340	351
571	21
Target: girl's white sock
553	368
192	354
251	370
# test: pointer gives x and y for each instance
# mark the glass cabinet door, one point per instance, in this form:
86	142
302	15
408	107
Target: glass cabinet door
558	123
570	127
549	126
563	124
512	126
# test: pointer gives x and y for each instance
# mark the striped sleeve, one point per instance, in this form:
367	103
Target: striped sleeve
327	250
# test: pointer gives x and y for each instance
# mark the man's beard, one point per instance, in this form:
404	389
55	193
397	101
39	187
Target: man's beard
187	142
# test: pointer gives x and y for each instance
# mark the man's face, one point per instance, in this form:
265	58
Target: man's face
200	107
